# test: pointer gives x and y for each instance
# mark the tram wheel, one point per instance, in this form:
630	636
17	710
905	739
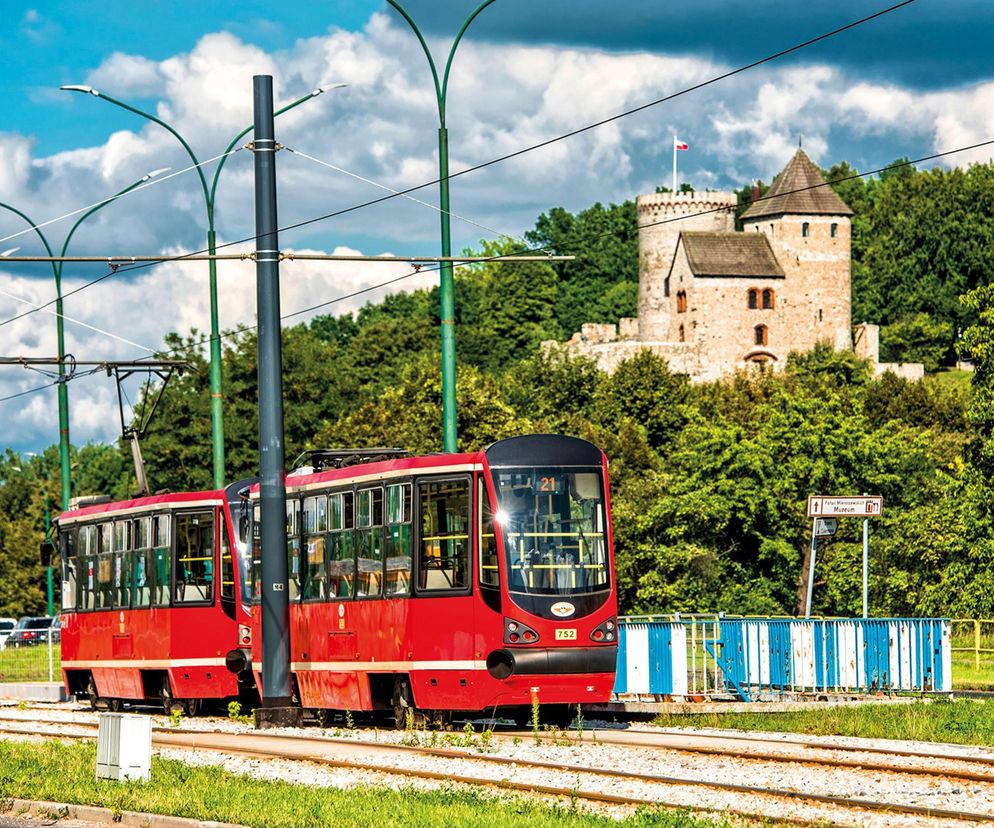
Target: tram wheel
557	715
169	704
114	705
91	691
401	704
440	719
191	707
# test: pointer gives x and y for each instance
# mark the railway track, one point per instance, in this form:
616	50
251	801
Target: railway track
601	785
815	752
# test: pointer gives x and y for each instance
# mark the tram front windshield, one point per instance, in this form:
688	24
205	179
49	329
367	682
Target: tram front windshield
553	525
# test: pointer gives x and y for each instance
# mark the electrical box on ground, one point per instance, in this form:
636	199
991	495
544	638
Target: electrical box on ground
124	747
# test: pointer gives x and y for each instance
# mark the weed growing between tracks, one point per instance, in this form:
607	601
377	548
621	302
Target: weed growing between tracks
962	721
63	772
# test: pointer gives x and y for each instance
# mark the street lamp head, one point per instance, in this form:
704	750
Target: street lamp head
76	87
327	87
154	173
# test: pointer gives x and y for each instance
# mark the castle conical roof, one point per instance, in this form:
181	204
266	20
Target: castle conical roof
798	190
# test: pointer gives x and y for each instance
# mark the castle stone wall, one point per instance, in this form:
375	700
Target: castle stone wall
662	217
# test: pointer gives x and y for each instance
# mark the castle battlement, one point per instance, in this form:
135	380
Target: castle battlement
682	203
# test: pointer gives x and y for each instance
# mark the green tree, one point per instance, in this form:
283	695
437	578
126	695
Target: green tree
605	243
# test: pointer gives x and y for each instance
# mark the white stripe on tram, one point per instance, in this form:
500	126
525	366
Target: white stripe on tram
147	664
369	666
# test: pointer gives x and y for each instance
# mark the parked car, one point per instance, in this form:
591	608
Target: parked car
6	628
30	631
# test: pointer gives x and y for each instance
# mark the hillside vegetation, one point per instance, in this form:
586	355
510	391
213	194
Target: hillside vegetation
709	481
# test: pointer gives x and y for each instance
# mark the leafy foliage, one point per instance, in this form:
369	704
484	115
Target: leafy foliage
709	481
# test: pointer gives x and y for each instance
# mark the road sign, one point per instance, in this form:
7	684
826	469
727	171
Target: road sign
859	507
825	527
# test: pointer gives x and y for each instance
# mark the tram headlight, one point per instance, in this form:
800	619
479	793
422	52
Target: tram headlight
244	635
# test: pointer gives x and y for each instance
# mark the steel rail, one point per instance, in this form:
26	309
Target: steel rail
193	740
644	739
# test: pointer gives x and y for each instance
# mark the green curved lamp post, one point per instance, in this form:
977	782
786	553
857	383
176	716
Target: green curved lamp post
446	288
217	405
64	467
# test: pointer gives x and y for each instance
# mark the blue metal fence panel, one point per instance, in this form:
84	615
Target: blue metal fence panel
771	656
661	658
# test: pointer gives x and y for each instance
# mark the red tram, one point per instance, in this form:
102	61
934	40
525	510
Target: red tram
152	599
445	583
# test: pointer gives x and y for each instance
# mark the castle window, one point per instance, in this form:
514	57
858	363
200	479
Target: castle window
682	335
762	335
666	286
819	315
753	298
681	301
835	229
804	229
768	299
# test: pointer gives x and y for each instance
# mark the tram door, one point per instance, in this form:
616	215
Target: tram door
443	571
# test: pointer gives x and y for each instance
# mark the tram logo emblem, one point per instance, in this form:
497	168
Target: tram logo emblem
563	609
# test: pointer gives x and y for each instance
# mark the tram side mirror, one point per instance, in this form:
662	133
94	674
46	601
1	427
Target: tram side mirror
46	551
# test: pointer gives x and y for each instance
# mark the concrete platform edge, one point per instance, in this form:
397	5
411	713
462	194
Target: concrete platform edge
92	813
43	691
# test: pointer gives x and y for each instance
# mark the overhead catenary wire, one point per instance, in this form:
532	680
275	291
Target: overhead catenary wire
151	182
409	197
78	322
771	57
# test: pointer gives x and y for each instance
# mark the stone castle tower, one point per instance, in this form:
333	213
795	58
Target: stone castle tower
662	217
713	300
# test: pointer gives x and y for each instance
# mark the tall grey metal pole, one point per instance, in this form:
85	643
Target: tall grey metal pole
866	567
811	570
276	710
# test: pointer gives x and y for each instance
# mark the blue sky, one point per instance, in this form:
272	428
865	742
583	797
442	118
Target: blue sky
914	82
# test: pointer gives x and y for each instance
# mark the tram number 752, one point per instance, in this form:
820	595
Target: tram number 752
566	635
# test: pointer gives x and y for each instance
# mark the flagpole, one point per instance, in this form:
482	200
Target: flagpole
674	164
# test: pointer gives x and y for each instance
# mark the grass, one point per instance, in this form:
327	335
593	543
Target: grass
30	663
63	772
953	376
966	676
962	721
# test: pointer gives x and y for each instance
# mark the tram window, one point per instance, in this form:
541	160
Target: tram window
87	544
122	535
489	571
67	539
122	580
293	548
369	544
142	567
160	555
256	569
106	537
341	563
194	559
227	564
105	568
315	529
398	540
444	552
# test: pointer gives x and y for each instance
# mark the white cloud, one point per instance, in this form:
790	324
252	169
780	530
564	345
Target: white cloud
384	127
127	75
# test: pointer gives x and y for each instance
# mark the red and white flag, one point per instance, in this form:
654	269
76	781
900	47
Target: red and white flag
680	145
